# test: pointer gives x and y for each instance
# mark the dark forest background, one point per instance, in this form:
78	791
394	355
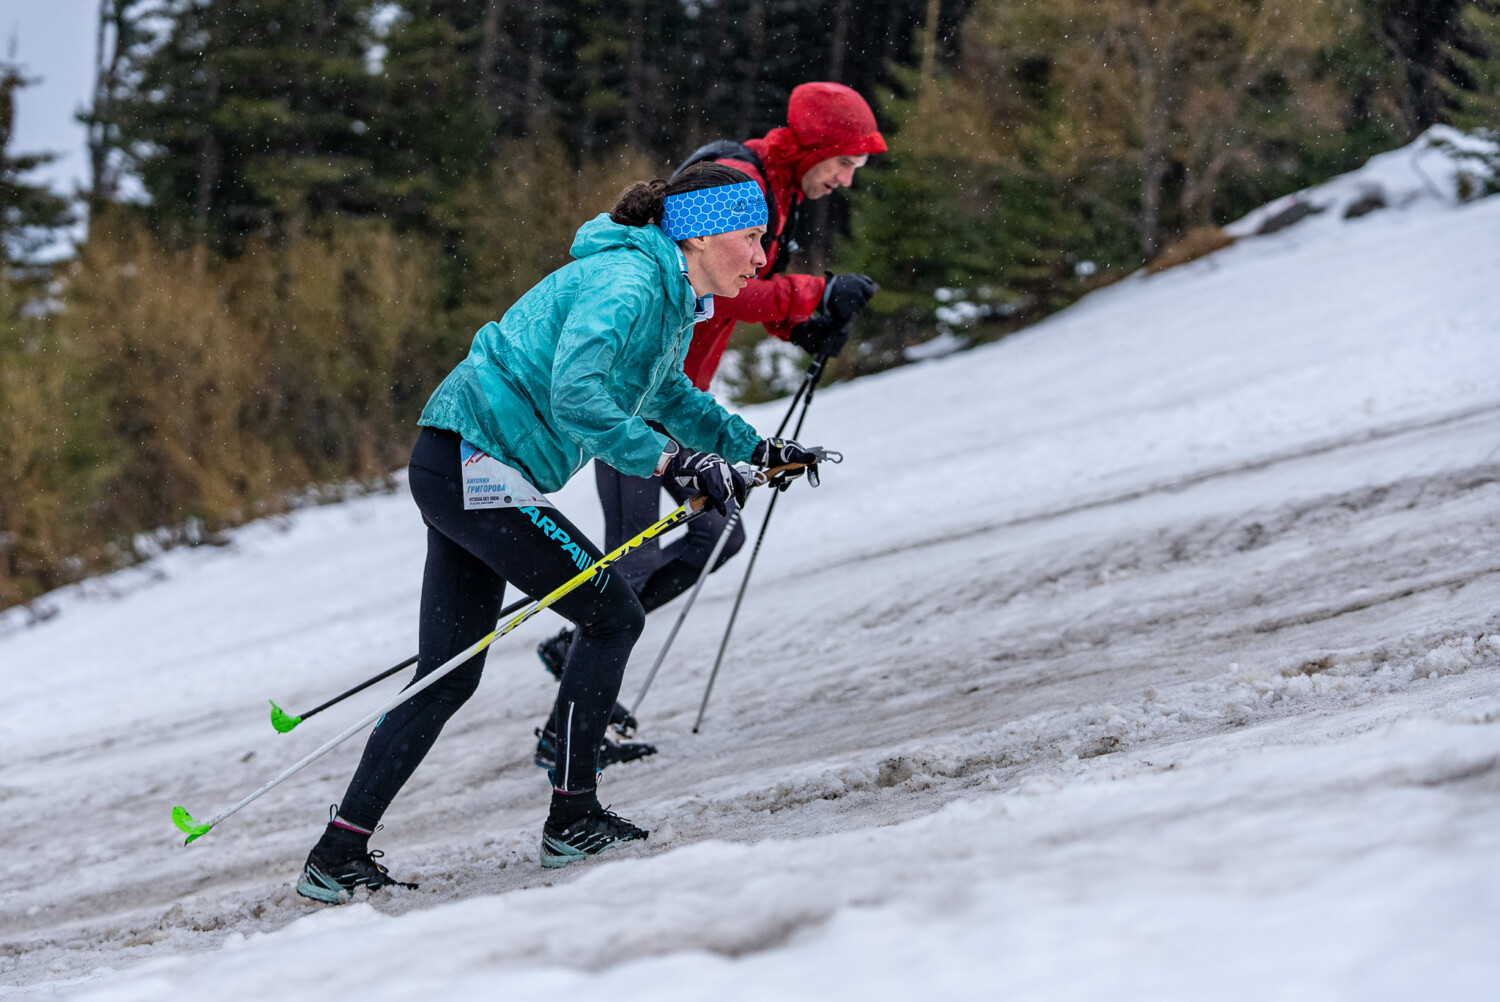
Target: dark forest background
301	210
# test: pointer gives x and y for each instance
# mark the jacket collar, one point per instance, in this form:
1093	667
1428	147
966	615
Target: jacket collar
703	306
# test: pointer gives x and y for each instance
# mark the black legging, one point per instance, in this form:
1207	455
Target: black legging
658	575
470	556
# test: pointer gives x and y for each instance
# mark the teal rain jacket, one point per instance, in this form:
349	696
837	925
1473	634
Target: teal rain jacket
578	364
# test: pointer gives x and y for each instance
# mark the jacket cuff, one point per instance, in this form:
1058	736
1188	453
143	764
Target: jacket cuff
810	292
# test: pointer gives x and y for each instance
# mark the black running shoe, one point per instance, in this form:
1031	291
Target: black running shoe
588	836
554	651
335	882
610	752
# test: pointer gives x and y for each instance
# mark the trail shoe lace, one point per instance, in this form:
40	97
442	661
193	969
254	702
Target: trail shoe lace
588	836
335	882
610	752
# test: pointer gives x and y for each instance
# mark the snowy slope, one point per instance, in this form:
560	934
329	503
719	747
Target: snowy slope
1150	653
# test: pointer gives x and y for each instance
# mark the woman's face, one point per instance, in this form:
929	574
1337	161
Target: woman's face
720	265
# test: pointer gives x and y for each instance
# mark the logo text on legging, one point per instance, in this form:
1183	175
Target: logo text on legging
555	532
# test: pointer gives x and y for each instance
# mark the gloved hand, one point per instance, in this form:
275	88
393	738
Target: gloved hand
707	473
826	331
817	335
845	296
773	452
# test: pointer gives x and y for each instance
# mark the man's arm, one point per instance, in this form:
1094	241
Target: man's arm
780	302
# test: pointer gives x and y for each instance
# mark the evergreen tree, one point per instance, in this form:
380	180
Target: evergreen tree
244	113
1418	36
29	213
1476	104
437	112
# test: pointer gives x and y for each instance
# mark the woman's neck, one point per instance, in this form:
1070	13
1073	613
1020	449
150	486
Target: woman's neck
693	269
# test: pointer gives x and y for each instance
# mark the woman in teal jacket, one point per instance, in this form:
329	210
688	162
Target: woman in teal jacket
571	372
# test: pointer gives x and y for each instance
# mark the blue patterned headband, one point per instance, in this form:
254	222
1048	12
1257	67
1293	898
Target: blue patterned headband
707	211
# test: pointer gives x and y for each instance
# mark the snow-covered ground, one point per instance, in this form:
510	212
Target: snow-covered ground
1149	654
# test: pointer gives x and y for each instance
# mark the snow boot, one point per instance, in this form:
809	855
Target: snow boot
610	752
589	835
334	881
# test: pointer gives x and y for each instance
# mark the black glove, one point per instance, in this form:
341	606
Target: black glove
827	331
782	451
707	473
845	296
818	335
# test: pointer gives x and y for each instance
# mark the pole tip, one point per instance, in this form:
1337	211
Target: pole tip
282	720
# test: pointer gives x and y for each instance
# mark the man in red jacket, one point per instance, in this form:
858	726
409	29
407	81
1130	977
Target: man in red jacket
830	133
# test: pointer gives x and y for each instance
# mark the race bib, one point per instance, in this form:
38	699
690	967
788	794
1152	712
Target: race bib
489	483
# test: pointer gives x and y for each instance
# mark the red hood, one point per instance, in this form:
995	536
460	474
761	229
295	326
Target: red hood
823	120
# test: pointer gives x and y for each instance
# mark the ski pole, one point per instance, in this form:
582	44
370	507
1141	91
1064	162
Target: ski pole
713	559
284	721
687	512
694	506
814	374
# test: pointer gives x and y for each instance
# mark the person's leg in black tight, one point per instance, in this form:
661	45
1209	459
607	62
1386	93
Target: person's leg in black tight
536	550
461	598
630	504
471	554
683	561
607	617
608	620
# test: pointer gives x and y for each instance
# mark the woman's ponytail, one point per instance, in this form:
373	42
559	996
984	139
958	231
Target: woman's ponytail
640	203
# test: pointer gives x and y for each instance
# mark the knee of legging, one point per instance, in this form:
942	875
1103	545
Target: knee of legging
621	619
455	688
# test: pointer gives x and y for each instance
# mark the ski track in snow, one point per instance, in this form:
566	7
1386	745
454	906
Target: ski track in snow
1150	653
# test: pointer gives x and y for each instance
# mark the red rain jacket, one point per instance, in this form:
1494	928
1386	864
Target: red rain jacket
823	120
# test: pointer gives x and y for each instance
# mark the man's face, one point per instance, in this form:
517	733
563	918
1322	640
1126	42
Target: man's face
723	263
826	175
